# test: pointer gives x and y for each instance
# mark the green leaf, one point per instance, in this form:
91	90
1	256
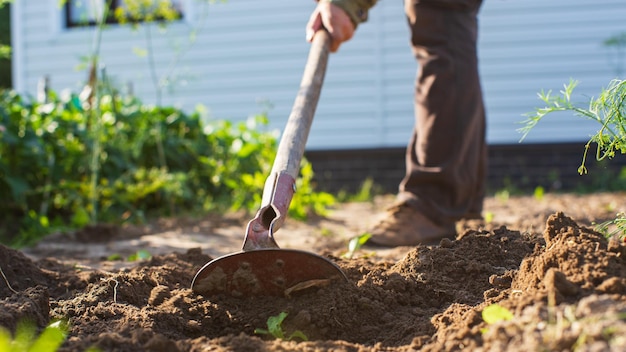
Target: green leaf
539	193
495	313
275	329
5	51
141	254
51	338
5	339
80	217
489	215
298	334
356	243
114	257
274	325
24	335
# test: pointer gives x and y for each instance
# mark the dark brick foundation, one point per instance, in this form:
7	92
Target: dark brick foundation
520	167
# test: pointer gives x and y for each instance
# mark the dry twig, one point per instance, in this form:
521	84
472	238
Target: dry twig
7	281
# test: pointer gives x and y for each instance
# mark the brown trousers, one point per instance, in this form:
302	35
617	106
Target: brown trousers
446	159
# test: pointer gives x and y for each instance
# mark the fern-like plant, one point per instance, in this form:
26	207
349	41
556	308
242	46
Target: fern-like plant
608	109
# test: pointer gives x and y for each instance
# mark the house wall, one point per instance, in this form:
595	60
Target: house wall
248	57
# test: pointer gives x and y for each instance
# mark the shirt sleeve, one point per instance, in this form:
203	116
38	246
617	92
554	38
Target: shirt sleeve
356	9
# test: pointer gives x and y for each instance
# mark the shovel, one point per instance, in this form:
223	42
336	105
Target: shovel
262	268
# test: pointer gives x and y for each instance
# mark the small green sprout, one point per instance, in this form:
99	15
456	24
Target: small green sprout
275	329
139	255
503	195
115	257
489	215
495	313
356	243
539	193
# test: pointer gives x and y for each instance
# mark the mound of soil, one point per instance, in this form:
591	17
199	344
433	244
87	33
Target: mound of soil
565	287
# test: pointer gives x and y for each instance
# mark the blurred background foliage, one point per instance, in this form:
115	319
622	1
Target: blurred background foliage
62	166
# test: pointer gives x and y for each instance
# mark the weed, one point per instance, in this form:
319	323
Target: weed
275	329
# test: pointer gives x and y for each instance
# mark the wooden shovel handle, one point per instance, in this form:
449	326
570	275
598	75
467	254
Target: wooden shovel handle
280	185
293	140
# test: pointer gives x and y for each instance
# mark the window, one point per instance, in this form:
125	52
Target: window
87	12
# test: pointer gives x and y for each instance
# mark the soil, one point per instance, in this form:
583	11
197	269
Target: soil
540	259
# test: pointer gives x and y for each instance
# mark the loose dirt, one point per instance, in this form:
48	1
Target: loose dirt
564	283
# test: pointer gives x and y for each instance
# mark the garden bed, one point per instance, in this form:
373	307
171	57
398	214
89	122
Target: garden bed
538	258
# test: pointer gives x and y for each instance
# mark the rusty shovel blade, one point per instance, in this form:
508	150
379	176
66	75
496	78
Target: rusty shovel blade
266	272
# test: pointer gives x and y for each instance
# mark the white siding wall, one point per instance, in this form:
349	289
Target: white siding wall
251	51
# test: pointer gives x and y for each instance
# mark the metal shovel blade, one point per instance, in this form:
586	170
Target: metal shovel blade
266	272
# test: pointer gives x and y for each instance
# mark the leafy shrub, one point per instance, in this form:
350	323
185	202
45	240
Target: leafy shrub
63	164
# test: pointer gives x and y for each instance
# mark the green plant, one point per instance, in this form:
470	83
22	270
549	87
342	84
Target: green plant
356	243
48	158
141	254
115	257
615	227
305	201
366	192
489	215
140	13
275	329
503	195
5	44
495	313
539	193
608	110
26	338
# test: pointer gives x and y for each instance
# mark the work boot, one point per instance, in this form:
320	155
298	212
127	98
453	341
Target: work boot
403	225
